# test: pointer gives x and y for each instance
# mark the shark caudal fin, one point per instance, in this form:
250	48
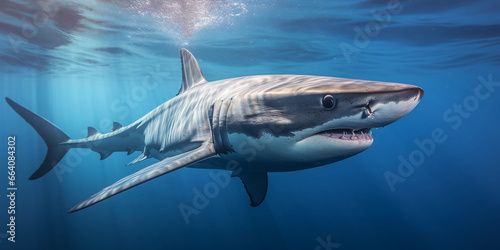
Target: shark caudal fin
51	134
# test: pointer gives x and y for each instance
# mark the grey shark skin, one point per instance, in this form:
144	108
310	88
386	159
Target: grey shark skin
296	122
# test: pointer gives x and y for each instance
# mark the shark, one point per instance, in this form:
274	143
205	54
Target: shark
296	121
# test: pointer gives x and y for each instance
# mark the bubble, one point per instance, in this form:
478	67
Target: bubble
187	16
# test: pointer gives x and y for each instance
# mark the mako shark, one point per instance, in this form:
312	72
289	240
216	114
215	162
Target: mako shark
298	121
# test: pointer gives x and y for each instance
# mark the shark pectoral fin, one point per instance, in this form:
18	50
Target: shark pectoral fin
256	185
160	168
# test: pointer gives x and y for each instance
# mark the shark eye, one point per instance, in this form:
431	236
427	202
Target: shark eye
328	102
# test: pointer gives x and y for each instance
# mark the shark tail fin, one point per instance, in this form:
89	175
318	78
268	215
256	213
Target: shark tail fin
51	134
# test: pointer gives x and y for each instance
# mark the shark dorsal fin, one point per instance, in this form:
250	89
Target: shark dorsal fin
191	72
92	131
116	126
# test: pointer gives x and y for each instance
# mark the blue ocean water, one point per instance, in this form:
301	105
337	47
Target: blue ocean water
429	181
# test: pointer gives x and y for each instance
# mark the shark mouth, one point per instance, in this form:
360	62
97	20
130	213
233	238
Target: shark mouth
348	134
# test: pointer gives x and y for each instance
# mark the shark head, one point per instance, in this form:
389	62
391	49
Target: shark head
296	122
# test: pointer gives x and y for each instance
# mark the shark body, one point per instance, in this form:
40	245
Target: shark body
296	122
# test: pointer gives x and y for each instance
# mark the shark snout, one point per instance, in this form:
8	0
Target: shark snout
419	92
414	92
387	107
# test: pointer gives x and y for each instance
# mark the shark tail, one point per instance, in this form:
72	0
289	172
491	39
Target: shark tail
51	134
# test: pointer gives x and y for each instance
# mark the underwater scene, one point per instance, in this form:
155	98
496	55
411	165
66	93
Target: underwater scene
254	124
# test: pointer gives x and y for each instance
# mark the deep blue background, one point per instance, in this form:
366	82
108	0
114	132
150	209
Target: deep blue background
82	65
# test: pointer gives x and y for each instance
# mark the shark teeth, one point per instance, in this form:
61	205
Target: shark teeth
348	134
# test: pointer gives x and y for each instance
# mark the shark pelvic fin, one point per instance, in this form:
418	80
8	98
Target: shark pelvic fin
141	157
92	131
130	151
255	184
160	168
191	72
116	126
105	155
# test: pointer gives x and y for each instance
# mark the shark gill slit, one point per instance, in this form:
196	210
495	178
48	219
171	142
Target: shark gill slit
215	127
226	145
219	130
